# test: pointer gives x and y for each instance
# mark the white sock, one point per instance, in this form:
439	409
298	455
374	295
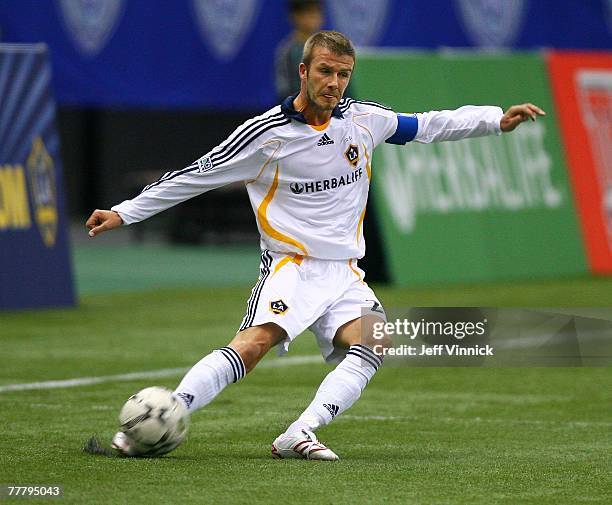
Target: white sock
340	389
209	377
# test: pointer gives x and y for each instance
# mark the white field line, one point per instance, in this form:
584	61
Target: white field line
152	374
515	343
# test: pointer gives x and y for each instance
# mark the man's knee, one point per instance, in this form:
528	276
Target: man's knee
362	331
253	343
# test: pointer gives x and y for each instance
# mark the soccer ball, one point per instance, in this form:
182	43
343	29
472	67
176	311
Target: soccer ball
154	421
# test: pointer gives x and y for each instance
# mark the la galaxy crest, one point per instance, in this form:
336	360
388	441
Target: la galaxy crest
352	154
91	23
278	307
41	175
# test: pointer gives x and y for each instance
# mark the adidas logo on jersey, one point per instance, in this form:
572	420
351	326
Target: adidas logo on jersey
333	409
325	140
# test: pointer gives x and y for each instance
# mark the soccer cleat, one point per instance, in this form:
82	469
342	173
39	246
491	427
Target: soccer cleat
301	444
121	443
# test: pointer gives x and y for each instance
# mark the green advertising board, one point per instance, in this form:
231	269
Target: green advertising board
481	209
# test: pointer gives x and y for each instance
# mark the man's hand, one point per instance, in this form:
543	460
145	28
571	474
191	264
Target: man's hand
518	114
103	220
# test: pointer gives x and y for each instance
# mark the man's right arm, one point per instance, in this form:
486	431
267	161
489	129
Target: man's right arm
239	158
103	220
171	189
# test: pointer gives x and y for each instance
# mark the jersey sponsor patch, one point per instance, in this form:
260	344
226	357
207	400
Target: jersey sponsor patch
298	188
278	307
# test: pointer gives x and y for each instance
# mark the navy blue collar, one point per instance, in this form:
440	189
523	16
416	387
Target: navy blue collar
288	110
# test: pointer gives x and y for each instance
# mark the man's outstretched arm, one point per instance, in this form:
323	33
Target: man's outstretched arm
103	220
518	114
469	121
239	158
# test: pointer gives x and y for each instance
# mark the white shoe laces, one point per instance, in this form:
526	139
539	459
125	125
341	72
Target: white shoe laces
313	441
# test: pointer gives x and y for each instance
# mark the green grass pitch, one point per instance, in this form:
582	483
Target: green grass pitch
418	435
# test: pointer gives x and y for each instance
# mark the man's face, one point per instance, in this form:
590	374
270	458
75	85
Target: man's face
326	78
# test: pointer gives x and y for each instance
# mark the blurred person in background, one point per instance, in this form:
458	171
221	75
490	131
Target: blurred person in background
306	17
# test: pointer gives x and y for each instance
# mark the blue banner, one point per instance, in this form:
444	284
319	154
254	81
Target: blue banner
219	53
35	268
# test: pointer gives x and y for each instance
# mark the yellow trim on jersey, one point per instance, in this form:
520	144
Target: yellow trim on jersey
368	165
363	126
363	212
263	167
350	264
360	223
262	216
320	127
297	259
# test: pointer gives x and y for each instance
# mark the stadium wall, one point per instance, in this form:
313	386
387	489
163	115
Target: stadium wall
220	53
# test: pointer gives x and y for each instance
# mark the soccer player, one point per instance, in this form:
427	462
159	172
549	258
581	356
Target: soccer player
307	167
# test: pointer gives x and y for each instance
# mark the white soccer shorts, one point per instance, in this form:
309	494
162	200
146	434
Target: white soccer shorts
299	293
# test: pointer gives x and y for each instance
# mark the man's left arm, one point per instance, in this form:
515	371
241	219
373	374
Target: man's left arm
518	114
468	121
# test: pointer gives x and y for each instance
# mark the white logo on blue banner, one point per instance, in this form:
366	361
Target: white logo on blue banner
225	24
492	23
361	21
91	23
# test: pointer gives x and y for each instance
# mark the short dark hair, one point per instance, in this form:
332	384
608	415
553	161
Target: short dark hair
297	6
336	42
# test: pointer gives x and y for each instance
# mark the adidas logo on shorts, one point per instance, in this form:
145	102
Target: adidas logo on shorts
325	140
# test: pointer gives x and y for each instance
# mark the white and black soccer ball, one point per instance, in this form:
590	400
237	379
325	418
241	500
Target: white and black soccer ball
154	421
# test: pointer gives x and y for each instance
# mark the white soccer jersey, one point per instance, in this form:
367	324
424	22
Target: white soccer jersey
308	186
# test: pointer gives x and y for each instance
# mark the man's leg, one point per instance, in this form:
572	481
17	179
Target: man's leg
339	390
214	372
229	364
